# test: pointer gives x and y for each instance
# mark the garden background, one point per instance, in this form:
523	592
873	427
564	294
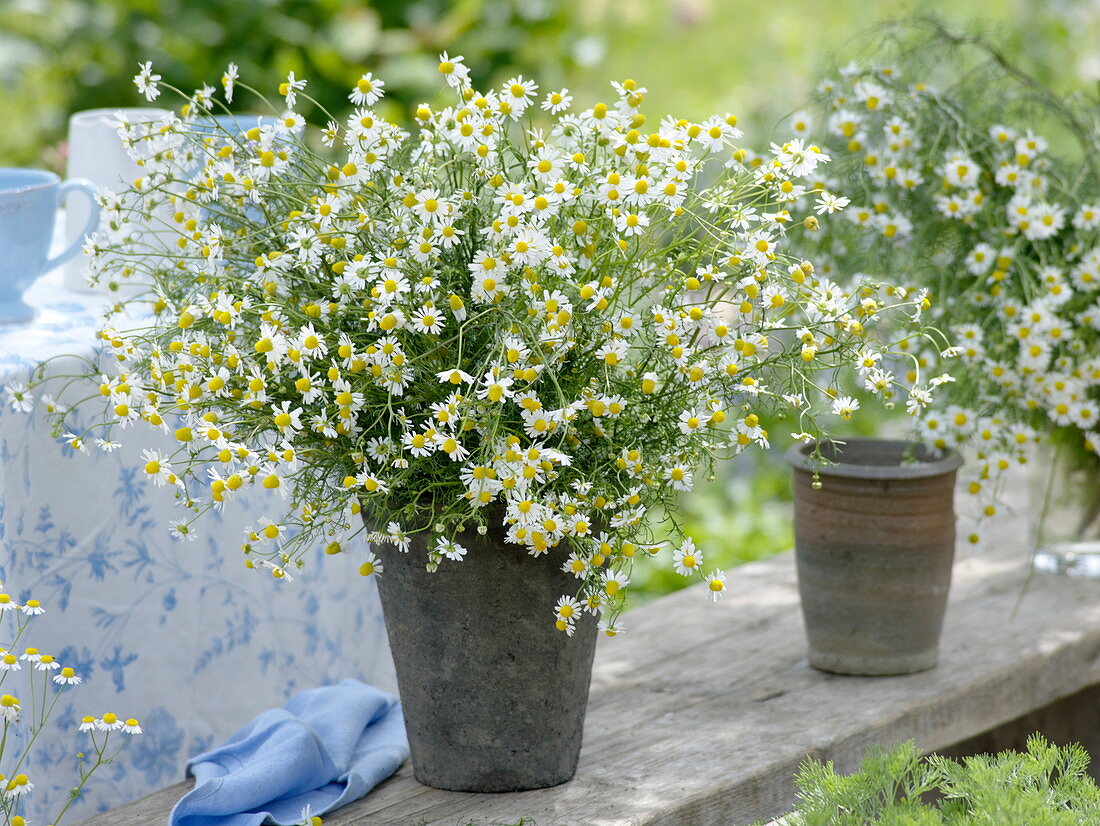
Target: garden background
756	60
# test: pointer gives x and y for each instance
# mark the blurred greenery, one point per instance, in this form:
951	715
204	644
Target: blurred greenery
759	60
60	56
695	56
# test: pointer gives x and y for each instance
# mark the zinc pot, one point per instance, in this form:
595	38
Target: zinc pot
494	695
874	545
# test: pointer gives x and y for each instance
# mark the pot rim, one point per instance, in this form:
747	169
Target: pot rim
797	457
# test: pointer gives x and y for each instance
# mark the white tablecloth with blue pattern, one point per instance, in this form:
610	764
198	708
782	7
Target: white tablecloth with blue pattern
179	635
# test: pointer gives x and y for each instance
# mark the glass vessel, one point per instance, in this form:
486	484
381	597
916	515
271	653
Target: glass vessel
1066	497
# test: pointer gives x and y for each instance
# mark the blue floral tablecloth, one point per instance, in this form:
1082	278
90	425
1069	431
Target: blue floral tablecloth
179	635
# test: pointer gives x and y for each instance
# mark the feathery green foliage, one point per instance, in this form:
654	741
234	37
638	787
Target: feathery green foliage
1045	785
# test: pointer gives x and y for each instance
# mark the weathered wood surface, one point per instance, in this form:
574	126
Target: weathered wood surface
1073	719
700	714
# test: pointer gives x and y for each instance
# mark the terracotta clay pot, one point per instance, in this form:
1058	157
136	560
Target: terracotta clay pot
494	696
874	544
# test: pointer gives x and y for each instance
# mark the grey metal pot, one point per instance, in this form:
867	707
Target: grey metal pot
874	546
494	695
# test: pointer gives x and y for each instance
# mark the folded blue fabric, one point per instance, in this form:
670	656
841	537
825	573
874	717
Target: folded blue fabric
327	747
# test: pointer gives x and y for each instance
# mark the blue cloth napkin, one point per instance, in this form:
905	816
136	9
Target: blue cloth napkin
327	747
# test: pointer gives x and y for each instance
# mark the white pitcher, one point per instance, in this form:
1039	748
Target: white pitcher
96	154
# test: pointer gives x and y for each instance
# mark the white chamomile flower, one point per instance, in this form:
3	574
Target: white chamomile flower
716	585
18	786
558	101
429	320
614	582
631	224
693	420
146	81
687	559
229	80
1087	217
867	360
19	397
67	676
290	88
827	203
845	407
181	530
454	376
110	722
47	663
287	417
610	629
519	92
156	467
798	159
566	612
398	537
919	399
795	400
371	565
449	549
454	70
75	442
368	90
577	565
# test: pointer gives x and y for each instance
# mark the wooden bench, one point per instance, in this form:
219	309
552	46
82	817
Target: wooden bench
701	713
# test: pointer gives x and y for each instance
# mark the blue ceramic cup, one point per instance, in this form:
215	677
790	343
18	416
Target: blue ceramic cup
29	199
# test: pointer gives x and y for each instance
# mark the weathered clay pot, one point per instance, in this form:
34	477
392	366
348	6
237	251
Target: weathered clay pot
874	546
494	695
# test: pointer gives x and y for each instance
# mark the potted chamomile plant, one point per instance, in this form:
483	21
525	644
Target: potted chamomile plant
956	190
472	354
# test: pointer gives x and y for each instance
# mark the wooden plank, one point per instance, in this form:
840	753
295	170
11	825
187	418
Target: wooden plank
701	713
1073	719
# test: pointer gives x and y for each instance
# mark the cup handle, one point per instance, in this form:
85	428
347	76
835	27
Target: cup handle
89	189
